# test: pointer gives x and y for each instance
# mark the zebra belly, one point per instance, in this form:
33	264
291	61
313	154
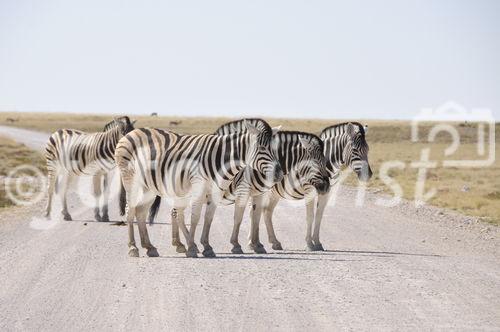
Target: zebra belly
287	191
75	167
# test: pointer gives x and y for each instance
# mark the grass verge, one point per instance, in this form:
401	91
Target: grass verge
14	155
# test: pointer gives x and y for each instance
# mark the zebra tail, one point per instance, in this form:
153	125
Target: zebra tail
123	199
153	210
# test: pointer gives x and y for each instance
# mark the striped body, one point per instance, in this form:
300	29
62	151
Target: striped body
80	153
71	153
302	160
304	168
344	146
187	168
170	164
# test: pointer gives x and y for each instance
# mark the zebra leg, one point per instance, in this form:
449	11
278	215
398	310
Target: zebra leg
268	219
105	199
182	225
309	219
96	189
64	201
51	185
132	248
195	218
130	210
142	214
255	215
209	217
176	240
239	210
320	209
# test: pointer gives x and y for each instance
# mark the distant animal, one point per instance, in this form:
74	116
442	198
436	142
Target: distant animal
71	153
11	120
175	123
186	168
154	114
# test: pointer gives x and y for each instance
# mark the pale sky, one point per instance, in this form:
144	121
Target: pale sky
319	59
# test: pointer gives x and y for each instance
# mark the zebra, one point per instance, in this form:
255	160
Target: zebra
302	160
187	168
71	153
344	146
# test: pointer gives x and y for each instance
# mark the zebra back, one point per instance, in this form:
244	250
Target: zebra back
123	122
83	153
238	126
339	129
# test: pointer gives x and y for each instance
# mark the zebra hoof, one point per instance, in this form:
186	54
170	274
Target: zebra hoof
152	252
209	253
97	218
180	248
192	252
277	246
133	252
67	217
310	247
260	250
105	218
237	250
318	247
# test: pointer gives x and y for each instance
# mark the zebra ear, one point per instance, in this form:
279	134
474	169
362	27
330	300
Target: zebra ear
276	129
251	128
133	122
365	128
306	144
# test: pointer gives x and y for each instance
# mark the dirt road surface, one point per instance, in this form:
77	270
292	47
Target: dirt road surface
384	269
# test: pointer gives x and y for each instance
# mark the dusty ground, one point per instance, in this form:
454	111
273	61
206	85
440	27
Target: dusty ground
390	269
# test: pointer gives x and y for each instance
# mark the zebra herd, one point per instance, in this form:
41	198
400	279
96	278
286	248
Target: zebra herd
243	161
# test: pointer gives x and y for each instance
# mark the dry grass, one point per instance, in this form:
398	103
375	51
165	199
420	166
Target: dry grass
471	191
13	155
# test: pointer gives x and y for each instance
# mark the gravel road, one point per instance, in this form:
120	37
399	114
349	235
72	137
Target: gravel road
385	269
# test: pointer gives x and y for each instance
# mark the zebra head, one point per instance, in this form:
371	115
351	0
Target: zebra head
355	152
123	123
312	169
261	154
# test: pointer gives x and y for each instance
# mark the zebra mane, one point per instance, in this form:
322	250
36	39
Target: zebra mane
238	126
112	124
340	128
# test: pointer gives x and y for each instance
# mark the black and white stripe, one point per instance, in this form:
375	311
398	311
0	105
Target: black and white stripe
344	146
303	163
71	153
187	168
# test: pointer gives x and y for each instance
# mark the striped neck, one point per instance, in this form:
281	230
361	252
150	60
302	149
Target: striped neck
334	151
242	144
